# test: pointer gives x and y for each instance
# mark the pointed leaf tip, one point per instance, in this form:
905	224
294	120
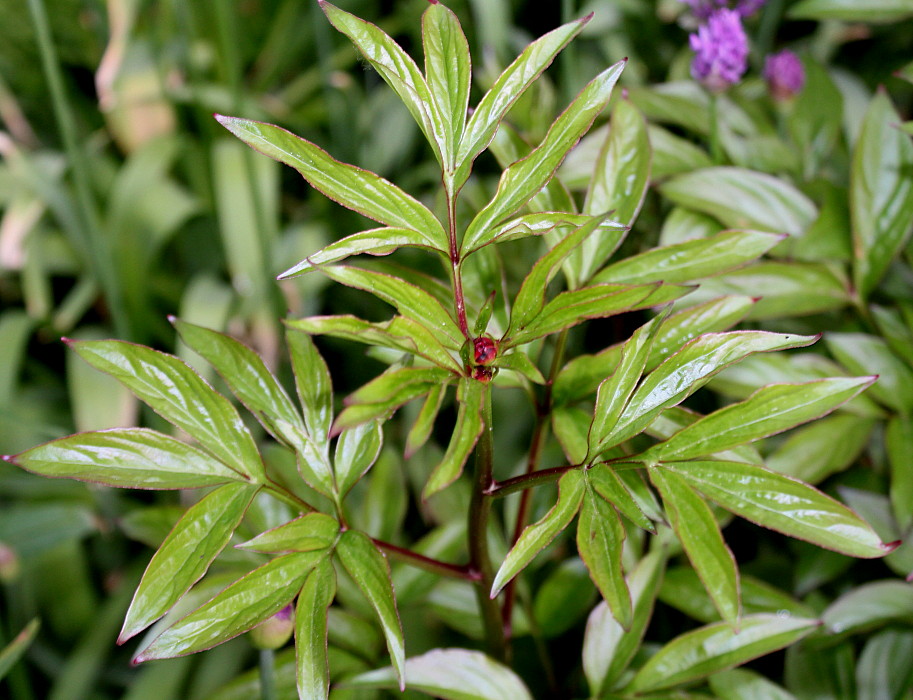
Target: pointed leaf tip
889	547
584	20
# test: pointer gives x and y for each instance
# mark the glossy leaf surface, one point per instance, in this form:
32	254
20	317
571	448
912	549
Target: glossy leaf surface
356	451
306	533
314	600
469	427
600	536
314	385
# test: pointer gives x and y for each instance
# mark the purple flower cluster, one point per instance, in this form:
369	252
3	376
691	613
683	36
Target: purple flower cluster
702	9
784	74
720	51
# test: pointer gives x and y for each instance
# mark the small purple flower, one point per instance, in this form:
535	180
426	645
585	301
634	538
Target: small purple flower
720	51
702	9
784	74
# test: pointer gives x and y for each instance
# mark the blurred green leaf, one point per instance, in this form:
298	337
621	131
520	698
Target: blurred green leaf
317	593
563	599
13	651
868	606
884	670
813	671
742	684
851	11
899	443
894	387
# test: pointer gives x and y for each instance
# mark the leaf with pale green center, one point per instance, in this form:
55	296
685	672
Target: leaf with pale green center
356	189
369	569
399	333
542	223
243	605
881	192
135	458
247	376
607	647
615	391
606	482
706	650
408	299
869	354
180	396
356	451
743	199
314	600
600	537
526	177
424	423
700	535
870	605
468	429
305	534
448	72
185	555
571	490
782	504
619	184
376	241
314	385
398	69
450	674
770	410
359	413
852	10
691	260
689	369
513	82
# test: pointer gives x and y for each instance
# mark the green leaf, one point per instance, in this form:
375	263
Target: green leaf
881	192
314	385
673	154
450	674
513	82
247	376
689	369
770	410
855	351
615	391
448	72
676	418
376	241
606	482
307	533
369	569
354	188
691	260
884	669
469	426
563	598
399	333
180	396
398	69
899	444
868	606
782	504
743	199
600	537
356	451
619	184
185	555
741	684
851	11
607	647
410	300
523	179
313	673
13	651
519	362
424	423
244	604
699	533
571	490
128	458
541	223
716	647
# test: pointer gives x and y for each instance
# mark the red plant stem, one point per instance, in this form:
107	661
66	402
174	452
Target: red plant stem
435	566
455	264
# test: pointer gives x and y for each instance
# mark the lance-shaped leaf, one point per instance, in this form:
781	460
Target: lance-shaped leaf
310	532
314	600
135	458
782	504
244	604
399	333
541	223
512	83
526	177
354	188
185	555
376	241
410	300
881	193
398	69
869	606
700	535
614	392
448	72
607	647
689	369
520	363
869	354
248	377
469	427
600	537
314	385
716	647
424	423
850	11
899	444
180	396
619	184
606	482
691	260
450	674
12	652
356	451
571	490
770	410
369	569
